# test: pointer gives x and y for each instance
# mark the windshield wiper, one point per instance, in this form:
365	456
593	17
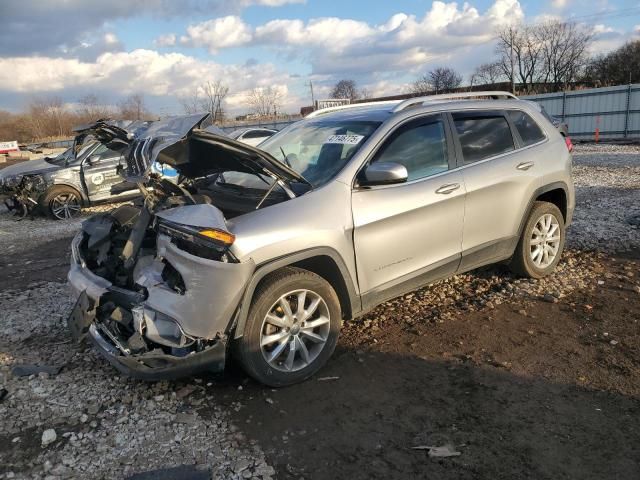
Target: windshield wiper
286	160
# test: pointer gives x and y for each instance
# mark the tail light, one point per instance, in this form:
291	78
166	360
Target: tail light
567	141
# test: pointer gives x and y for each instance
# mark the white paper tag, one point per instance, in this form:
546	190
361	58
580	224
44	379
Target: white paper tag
345	139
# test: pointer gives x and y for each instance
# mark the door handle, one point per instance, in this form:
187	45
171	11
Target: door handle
448	188
525	165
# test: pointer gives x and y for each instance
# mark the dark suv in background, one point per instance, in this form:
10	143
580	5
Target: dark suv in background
80	176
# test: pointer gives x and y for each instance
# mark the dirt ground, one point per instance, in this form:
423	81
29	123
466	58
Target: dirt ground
528	389
525	379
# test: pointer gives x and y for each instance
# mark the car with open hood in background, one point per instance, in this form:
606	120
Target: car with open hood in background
252	135
263	253
83	175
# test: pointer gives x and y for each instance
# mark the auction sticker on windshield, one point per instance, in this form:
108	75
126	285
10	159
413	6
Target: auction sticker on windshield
345	139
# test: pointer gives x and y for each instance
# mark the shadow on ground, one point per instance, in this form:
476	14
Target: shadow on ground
363	424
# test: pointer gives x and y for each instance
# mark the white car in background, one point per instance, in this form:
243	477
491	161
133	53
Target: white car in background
252	136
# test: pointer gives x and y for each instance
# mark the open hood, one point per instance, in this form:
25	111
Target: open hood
180	143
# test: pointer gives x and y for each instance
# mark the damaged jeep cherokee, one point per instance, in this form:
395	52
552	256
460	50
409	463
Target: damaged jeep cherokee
262	253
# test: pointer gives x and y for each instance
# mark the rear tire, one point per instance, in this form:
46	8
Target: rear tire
61	202
281	346
541	243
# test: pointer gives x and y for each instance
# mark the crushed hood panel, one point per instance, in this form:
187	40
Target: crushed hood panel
180	143
202	215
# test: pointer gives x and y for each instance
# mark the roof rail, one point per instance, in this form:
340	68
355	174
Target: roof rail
451	96
322	111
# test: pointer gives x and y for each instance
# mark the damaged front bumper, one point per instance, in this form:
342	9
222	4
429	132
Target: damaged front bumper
169	334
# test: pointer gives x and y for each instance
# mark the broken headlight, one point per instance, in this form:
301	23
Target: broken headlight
11	182
206	243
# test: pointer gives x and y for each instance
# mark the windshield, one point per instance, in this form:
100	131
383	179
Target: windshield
61	159
318	150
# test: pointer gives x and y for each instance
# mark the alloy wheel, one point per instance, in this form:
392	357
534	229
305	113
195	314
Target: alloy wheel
65	205
545	241
295	330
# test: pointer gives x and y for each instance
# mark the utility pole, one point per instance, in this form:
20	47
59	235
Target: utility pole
313	100
513	80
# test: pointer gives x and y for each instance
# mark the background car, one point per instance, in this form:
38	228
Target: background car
62	185
252	136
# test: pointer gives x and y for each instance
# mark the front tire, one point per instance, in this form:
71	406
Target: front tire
292	328
61	202
541	243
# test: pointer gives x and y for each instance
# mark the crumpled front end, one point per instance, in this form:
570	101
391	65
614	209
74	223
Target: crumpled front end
22	193
169	314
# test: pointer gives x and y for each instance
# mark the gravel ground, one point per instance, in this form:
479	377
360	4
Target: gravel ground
108	426
607	180
19	235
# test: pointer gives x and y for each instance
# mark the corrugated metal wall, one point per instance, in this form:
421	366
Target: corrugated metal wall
614	111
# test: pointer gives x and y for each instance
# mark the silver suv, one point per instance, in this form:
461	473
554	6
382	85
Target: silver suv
263	253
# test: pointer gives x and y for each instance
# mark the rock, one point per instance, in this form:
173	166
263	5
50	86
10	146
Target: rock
241	465
547	297
182	472
27	370
269	401
48	436
614	342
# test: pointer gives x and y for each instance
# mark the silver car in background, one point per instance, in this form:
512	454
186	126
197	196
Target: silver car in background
252	135
263	253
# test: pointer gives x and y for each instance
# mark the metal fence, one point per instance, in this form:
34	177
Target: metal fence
614	112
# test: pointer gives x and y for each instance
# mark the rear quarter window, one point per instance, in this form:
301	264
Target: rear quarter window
482	135
528	129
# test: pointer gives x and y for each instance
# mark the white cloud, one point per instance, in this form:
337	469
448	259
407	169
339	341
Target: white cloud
32	27
218	33
334	44
168	40
122	73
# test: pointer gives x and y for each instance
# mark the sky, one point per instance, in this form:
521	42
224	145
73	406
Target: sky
165	49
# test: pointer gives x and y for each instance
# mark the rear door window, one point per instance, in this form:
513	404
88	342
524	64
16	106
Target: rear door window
482	135
528	129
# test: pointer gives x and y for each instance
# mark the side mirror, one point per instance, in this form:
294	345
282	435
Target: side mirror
93	159
383	173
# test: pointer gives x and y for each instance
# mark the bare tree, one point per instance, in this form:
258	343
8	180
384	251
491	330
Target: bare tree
365	93
265	102
133	107
438	80
526	54
90	109
48	117
208	97
563	51
487	73
421	86
192	103
345	89
214	95
615	68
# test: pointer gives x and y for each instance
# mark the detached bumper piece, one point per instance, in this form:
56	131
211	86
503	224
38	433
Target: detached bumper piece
108	323
153	366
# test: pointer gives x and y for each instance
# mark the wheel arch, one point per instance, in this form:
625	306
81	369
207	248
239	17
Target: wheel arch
323	261
81	194
556	193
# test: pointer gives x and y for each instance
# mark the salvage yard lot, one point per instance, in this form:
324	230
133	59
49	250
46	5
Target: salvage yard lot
526	379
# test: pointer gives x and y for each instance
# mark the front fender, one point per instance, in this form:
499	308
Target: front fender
263	270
